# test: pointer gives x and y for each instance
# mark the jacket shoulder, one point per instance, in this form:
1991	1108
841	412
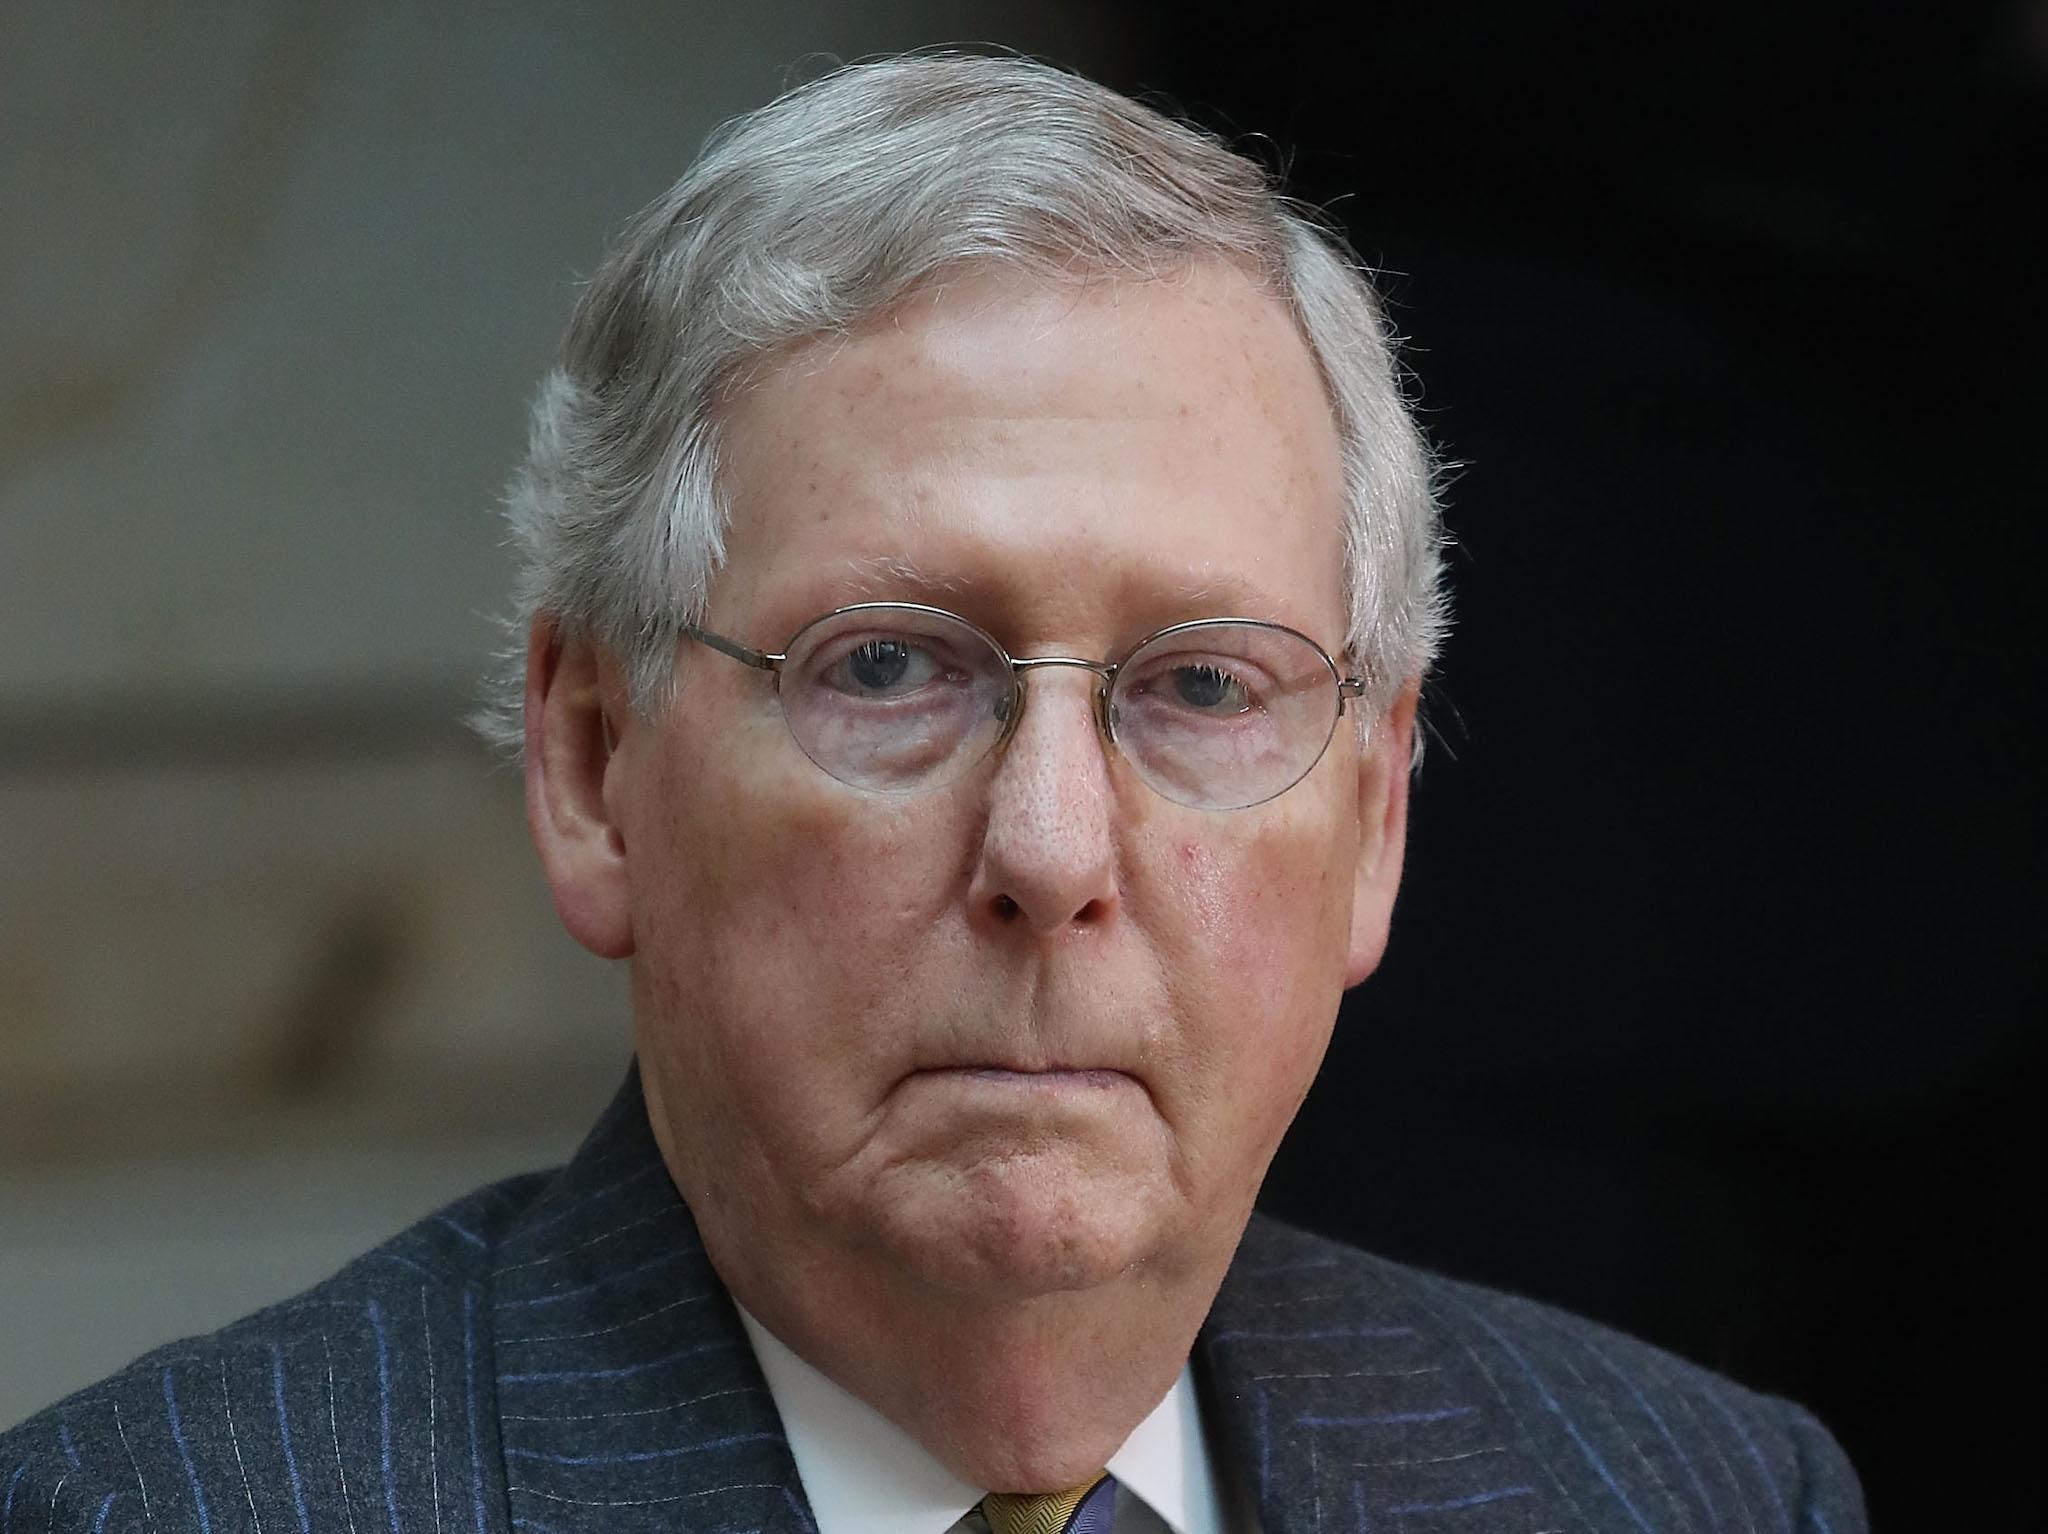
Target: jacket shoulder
1644	1426
293	1411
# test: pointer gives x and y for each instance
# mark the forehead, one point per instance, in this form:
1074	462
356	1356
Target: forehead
1092	454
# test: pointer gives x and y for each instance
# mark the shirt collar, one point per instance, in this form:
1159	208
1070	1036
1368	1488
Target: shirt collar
865	1475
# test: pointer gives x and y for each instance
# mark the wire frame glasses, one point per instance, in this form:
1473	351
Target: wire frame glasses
897	698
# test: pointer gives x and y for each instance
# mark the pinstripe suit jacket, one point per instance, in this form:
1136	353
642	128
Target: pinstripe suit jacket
554	1354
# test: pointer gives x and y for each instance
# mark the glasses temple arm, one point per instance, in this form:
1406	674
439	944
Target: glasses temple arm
760	660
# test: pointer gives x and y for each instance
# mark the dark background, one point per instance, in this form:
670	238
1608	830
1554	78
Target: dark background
1715	970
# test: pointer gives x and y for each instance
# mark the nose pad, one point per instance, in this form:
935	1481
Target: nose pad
1009	708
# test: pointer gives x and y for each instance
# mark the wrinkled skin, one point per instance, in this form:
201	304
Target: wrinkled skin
998	1068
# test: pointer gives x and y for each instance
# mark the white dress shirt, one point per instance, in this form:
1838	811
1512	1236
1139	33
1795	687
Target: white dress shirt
865	1475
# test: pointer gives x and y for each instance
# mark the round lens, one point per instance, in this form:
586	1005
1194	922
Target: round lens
1224	714
894	698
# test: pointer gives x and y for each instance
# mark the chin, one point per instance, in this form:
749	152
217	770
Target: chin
1015	1228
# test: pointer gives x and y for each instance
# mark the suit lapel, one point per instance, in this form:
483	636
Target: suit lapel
628	1398
1349	1405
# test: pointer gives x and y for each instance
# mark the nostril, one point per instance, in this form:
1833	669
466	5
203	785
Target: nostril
1006	908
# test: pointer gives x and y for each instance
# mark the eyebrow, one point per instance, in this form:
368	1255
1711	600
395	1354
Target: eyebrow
889	577
1227	595
1148	606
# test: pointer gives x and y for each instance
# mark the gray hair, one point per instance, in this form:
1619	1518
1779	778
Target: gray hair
815	214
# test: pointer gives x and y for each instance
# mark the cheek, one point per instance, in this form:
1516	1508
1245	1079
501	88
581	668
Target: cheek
796	915
856	900
1275	908
785	945
1263	946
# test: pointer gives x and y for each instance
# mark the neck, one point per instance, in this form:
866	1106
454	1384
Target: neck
1011	1394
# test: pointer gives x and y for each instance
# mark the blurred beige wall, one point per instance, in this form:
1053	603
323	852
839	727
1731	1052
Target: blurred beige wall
277	971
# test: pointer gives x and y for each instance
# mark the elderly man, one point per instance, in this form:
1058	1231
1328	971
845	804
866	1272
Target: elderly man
978	571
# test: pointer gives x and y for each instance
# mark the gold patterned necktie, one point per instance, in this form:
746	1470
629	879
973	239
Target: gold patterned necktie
1084	1509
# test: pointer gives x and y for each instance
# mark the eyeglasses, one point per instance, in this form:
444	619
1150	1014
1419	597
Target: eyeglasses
893	697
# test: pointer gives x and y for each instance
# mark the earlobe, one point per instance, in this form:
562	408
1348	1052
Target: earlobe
1383	834
571	748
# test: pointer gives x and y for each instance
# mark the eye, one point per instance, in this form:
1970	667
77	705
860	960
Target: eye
1209	689
879	664
1195	688
882	666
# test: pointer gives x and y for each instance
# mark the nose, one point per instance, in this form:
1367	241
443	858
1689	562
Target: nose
1048	856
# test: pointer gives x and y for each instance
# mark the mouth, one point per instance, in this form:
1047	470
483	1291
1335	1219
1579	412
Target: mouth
1040	1082
984	1095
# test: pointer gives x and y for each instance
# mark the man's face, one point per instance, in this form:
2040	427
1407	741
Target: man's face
1039	1027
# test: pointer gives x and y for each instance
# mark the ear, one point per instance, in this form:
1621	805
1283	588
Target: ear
1382	833
570	751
